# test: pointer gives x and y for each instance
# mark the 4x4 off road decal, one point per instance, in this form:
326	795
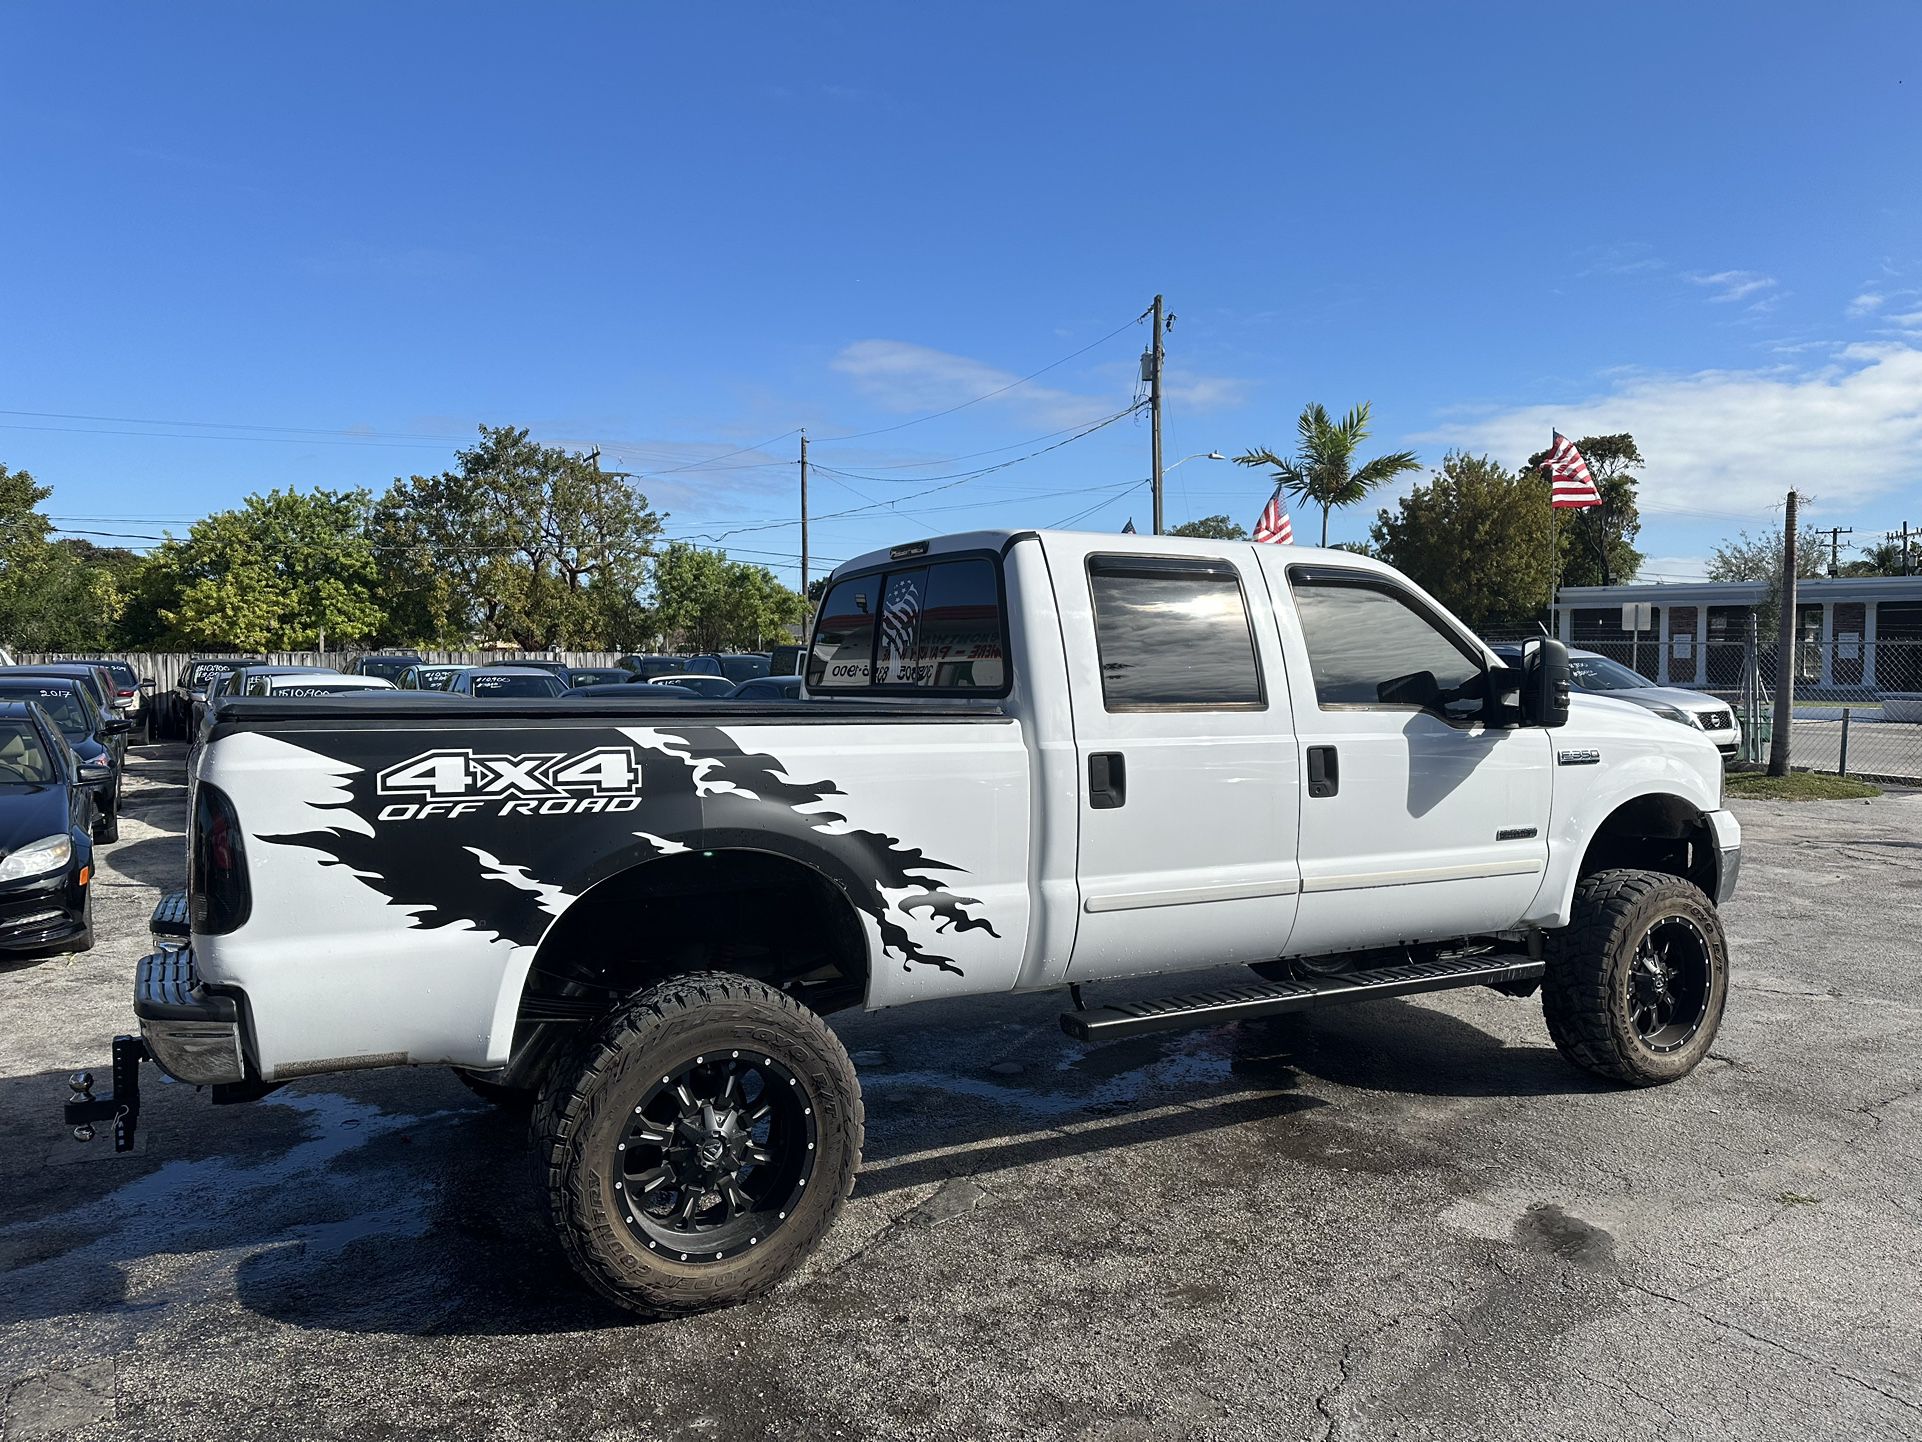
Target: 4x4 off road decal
465	837
460	782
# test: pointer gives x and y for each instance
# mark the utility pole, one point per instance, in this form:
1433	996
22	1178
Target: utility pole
1835	534
804	514
1890	536
1154	409
1785	650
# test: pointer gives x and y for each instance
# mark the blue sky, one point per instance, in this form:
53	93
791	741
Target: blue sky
317	244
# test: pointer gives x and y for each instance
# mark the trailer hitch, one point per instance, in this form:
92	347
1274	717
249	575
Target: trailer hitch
121	1105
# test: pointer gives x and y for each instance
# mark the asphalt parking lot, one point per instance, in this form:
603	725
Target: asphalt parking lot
1402	1219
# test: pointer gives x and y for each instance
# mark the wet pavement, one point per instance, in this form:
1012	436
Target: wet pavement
1399	1219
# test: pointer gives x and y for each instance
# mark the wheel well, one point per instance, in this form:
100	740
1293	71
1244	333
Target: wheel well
751	912
1655	833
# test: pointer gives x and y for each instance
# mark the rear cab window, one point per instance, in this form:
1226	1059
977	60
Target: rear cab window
933	625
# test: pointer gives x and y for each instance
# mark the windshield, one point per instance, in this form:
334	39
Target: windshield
199	676
650	666
65	704
386	670
526	685
1598	673
23	755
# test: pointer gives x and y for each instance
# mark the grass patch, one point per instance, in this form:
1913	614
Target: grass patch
1797	786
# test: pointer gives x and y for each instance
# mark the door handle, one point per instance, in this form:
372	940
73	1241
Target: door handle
1107	780
1324	771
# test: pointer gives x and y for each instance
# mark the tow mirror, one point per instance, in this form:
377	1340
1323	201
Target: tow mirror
1545	688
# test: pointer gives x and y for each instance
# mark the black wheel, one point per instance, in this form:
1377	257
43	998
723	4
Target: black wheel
106	826
700	1146
1637	981
493	1091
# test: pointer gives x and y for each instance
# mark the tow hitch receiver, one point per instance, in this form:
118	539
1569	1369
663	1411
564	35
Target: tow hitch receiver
121	1105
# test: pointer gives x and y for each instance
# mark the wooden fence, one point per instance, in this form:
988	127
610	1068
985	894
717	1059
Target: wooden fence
164	667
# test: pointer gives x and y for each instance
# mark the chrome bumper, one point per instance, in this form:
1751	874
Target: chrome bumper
193	1034
1727	832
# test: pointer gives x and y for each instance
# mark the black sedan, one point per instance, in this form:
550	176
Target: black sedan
69	704
178	713
768	688
46	856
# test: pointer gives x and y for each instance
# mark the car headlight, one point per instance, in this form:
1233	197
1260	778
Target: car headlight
51	854
1673	713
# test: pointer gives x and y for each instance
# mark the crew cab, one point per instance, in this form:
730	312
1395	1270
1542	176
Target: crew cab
1032	761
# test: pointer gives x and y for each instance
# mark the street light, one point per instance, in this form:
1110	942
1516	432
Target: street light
1197	456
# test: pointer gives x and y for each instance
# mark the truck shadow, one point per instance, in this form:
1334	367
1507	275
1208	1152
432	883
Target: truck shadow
396	1203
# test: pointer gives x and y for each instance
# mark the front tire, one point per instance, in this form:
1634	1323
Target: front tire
1637	981
699	1147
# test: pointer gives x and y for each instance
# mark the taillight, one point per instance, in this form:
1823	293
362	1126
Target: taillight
217	888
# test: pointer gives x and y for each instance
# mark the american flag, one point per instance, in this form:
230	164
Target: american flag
900	612
1570	486
1274	524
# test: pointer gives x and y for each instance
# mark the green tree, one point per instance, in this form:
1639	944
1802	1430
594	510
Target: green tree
1210	528
1322	472
55	595
708	603
1597	543
1883	558
278	573
1475	536
1759	558
520	541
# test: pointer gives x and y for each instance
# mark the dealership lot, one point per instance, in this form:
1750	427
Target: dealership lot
1406	1218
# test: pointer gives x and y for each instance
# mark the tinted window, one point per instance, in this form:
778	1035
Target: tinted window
513	686
66	705
743	667
23	756
1172	633
386	670
1368	645
199	676
934	627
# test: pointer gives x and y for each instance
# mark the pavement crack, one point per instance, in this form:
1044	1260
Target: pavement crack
1715	1319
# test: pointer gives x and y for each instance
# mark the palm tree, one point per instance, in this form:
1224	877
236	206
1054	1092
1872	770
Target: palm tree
1322	471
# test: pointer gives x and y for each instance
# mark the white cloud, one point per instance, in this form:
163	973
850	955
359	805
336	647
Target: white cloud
907	378
1733	285
1732	442
1908	320
1673	568
1865	303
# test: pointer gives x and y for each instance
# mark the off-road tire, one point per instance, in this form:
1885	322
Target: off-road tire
508	1098
586	1102
1585	992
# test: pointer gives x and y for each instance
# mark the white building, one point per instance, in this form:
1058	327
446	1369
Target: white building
1856	634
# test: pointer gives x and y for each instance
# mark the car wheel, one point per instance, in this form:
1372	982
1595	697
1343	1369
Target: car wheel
106	826
1637	981
700	1145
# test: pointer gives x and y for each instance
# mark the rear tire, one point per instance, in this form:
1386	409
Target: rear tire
1637	981
693	1077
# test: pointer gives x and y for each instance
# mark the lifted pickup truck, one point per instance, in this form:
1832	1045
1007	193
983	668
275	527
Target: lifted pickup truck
1029	761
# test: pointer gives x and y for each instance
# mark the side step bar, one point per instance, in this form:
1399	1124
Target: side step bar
1267	998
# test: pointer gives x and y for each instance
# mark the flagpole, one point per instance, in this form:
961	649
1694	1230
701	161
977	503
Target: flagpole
1554	550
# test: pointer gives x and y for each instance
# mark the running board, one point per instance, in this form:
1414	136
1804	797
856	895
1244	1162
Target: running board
1267	998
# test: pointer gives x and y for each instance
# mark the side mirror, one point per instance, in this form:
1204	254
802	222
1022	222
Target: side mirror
146	682
116	726
1545	683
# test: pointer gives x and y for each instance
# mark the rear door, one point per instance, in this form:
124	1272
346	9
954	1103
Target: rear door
1188	774
1418	820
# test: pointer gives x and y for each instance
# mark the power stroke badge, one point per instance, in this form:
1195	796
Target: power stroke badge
461	782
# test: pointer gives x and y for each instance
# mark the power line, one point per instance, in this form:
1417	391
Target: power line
988	396
1098	505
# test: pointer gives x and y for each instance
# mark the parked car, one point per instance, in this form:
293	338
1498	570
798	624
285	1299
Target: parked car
646	668
636	696
506	682
786	660
557	669
578	676
1600	676
113	729
742	665
387	665
130	688
768	688
234	682
700	685
1155	755
429	676
176	713
88	732
46	846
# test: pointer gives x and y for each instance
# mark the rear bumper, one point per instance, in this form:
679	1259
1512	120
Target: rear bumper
193	1034
1727	832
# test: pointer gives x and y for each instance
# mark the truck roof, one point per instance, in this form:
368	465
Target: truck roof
1001	540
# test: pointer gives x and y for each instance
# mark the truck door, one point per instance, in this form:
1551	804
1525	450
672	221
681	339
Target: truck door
1188	773
1418	821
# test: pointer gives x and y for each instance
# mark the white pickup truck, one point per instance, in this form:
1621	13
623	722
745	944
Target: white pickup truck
1027	761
